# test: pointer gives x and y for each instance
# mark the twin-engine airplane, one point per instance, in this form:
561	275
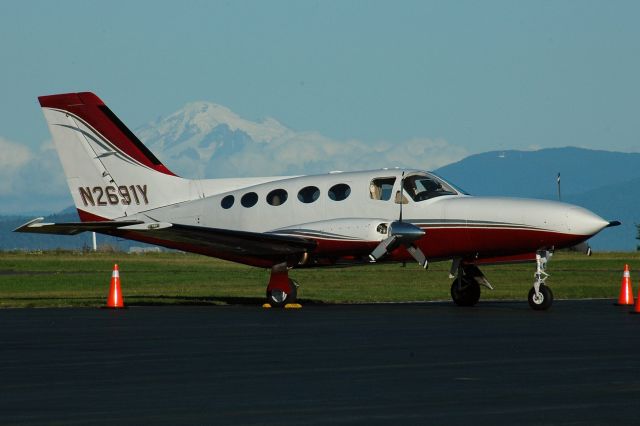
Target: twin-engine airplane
120	188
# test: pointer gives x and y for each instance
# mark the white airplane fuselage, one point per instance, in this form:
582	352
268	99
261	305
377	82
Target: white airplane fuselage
456	225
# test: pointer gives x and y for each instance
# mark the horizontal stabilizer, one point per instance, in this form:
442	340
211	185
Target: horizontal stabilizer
37	226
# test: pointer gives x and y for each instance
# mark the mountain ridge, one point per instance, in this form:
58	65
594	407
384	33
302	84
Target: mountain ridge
538	169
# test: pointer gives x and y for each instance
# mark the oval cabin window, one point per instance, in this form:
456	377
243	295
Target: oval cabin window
339	192
249	200
309	194
277	197
227	201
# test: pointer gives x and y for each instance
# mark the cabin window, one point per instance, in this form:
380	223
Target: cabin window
249	199
309	194
381	188
227	201
277	197
420	187
339	192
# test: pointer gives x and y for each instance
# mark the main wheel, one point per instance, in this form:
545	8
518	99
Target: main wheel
278	298
543	301
465	294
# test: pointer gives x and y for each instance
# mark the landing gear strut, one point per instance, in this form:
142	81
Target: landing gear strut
281	289
540	296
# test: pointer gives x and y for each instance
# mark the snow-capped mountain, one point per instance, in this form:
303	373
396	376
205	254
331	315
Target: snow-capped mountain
202	131
205	139
191	124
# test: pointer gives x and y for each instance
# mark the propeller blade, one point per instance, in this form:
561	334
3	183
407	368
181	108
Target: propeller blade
418	255
385	246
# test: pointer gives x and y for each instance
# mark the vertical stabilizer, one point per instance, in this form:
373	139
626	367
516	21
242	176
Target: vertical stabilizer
111	174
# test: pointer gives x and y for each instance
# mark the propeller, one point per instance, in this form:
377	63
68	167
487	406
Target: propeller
401	234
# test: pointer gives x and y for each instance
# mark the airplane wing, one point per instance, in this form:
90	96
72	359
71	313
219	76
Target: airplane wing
224	240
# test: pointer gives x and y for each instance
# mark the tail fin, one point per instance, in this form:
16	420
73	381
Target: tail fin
110	173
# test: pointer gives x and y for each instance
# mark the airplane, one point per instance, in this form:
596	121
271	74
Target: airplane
120	188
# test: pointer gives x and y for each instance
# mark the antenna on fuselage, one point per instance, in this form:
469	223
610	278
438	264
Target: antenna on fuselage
559	193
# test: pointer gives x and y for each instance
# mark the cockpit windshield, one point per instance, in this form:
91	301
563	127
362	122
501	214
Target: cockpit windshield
452	185
421	187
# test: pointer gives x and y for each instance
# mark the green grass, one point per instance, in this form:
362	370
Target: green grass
82	279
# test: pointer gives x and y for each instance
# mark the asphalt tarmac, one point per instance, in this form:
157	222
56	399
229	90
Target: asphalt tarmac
434	363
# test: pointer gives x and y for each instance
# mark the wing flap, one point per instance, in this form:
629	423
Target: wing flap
237	242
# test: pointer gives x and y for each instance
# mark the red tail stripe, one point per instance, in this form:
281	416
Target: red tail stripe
91	109
89	217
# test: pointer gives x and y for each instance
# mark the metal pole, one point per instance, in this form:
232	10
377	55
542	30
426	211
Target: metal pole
95	246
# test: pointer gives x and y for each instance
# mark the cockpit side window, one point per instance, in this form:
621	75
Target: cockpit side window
381	188
420	187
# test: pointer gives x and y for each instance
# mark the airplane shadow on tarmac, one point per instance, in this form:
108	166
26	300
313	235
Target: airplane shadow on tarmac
150	300
204	301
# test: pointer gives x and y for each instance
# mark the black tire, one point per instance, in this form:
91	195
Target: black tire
277	298
467	294
544	302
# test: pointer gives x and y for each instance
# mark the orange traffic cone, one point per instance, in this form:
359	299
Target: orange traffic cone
115	292
626	290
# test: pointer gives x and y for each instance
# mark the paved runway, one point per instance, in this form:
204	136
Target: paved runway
497	363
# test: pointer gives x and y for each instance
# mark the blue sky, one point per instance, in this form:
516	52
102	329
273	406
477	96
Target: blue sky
482	75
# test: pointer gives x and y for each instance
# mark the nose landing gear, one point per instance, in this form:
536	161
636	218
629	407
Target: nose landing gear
540	296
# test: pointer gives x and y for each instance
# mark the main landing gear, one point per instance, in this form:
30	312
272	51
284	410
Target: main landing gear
281	290
540	296
465	292
465	289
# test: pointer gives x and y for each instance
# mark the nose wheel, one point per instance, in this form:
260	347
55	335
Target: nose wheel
542	300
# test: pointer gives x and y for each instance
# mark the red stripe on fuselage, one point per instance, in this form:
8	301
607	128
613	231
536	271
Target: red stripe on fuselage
476	243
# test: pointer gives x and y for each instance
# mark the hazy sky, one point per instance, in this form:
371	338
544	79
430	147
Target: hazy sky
481	75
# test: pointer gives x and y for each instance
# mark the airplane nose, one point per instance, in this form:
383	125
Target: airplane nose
583	222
